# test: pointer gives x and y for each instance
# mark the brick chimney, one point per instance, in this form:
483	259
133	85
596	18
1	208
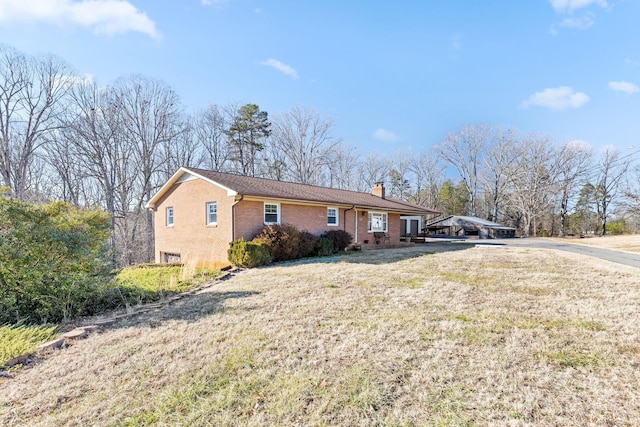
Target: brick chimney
378	189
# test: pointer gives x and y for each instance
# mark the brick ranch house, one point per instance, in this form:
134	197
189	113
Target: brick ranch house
198	212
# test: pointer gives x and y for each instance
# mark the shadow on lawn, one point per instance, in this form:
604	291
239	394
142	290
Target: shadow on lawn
388	256
197	306
190	308
385	256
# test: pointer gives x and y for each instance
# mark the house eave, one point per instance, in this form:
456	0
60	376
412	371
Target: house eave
337	204
175	178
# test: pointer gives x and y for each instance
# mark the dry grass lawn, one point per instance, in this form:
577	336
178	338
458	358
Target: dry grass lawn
627	242
476	336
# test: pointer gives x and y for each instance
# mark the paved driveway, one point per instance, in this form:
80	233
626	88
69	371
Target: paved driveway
619	257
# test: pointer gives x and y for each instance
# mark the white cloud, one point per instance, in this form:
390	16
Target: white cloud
210	2
385	135
283	68
559	98
578	23
580	144
582	23
571	5
103	16
625	87
77	80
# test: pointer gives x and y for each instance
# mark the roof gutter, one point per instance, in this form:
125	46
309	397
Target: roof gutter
344	221
233	217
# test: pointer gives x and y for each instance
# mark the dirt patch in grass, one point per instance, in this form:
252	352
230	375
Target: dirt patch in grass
469	337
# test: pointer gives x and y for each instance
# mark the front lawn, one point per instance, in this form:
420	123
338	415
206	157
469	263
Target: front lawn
477	336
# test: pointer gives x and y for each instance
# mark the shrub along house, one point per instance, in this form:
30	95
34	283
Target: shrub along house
199	212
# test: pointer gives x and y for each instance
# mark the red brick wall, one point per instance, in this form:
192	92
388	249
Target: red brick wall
201	244
250	218
393	227
190	236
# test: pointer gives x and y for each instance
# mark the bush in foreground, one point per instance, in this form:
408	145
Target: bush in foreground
248	254
18	340
340	239
309	245
51	260
325	246
282	241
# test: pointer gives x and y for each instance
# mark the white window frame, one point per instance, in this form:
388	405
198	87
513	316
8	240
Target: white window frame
336	216
169	214
264	213
209	213
384	219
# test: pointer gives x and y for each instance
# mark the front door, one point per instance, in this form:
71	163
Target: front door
414	227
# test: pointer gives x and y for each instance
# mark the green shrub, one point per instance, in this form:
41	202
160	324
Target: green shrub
340	239
309	244
282	241
325	246
20	340
248	254
146	283
51	260
618	226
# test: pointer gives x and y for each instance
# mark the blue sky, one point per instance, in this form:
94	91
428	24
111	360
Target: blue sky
393	75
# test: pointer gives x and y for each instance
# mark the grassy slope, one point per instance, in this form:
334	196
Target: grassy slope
476	336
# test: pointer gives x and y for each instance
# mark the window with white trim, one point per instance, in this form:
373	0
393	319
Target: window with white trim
212	213
271	213
377	222
169	216
332	216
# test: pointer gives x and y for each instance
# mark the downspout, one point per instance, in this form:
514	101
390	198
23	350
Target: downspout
344	221
233	217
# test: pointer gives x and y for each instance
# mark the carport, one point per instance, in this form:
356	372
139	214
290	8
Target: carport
469	226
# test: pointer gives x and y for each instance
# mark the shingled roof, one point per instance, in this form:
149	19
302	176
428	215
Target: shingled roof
271	189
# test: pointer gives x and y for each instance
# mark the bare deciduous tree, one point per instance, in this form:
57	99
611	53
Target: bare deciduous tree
611	170
93	140
399	174
464	151
531	192
372	169
572	162
209	128
341	168
151	115
305	140
428	170
32	90
183	150
498	170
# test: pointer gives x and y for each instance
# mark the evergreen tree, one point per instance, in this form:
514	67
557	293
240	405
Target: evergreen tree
247	131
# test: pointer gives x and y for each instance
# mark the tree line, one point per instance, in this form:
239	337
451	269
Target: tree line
63	137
